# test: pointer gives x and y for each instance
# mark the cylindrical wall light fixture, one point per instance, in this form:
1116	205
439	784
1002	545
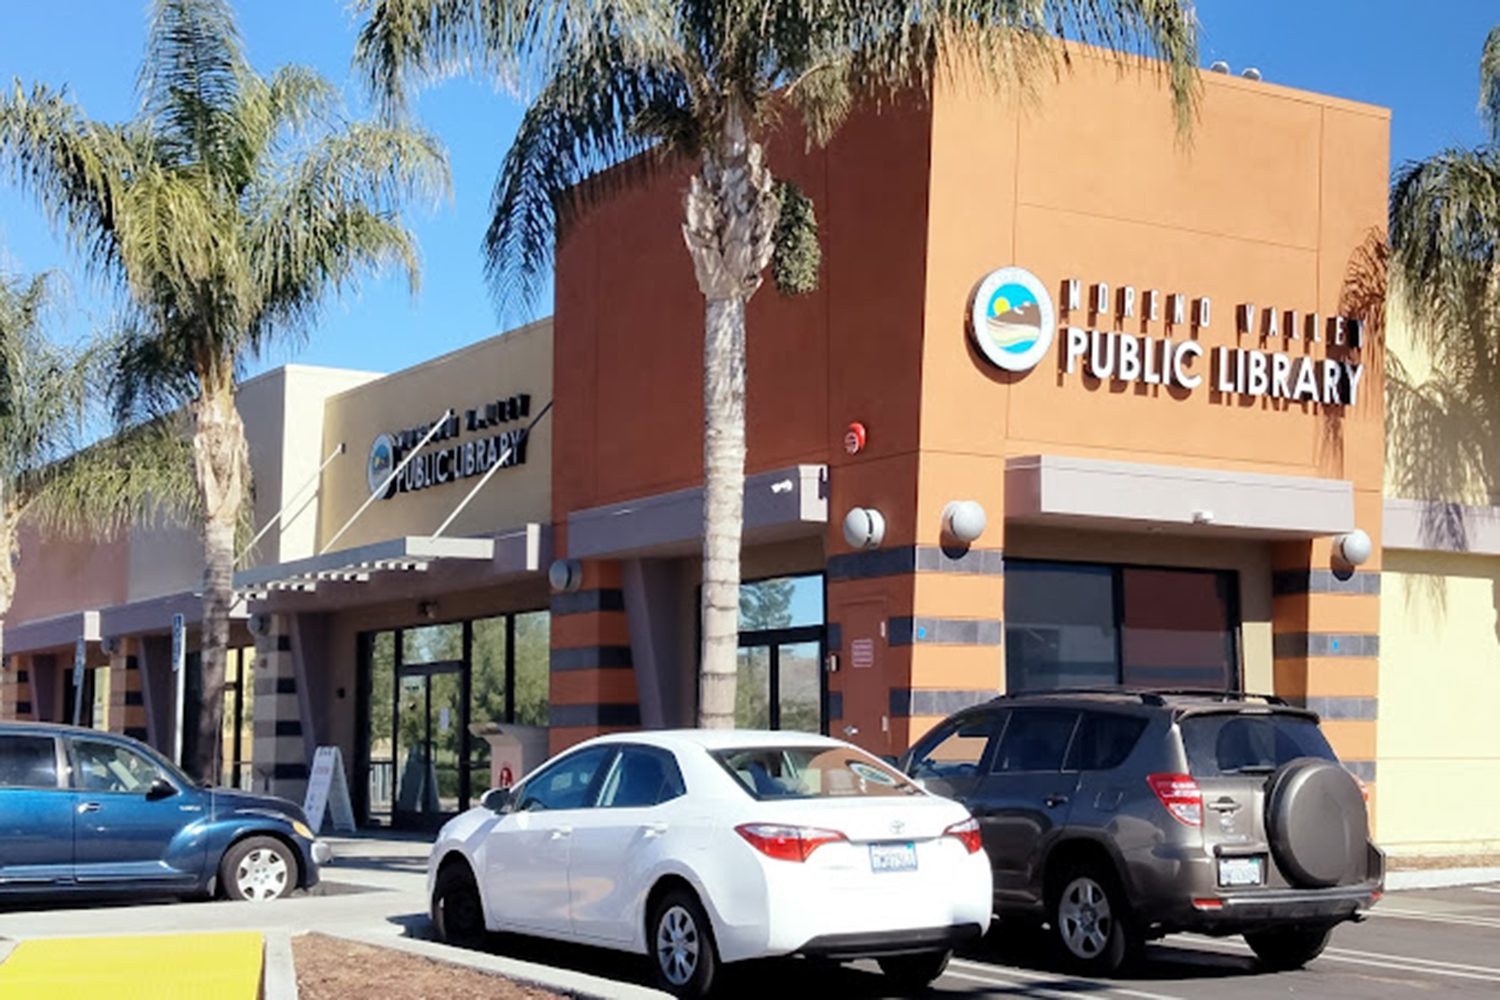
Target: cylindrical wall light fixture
1354	548
864	528
565	575
964	520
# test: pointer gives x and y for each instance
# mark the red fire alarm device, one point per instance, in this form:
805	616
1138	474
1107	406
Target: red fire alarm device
854	438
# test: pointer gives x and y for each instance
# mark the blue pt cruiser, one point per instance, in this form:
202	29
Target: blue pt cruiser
89	812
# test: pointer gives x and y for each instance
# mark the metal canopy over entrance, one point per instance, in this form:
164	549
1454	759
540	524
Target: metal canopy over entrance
412	554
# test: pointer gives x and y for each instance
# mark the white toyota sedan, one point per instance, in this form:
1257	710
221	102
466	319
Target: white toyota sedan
700	847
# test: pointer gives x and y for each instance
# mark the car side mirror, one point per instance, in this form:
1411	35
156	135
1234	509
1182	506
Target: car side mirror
161	788
497	800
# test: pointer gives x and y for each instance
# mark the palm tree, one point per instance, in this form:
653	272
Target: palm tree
46	479
1443	408
227	211
708	82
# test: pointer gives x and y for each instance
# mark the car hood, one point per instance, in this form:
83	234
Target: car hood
228	802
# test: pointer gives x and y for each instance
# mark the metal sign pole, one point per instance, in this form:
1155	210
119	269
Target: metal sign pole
179	667
80	655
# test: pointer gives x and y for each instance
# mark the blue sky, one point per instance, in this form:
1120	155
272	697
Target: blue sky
1395	53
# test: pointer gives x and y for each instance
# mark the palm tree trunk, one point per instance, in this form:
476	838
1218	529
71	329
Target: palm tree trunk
220	455
731	211
723	506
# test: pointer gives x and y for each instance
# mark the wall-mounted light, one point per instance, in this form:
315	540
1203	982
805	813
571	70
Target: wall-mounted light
1219	66
109	645
565	575
1250	73
1353	549
259	624
1203	517
964	520
864	528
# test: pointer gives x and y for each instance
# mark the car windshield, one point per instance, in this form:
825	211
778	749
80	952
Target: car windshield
812	773
1249	744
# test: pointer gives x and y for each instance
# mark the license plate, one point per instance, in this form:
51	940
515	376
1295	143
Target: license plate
893	857
1242	871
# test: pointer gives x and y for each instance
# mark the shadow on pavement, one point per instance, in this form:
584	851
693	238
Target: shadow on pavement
1030	947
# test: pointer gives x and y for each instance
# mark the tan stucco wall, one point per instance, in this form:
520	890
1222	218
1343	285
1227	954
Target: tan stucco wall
519	361
1438	745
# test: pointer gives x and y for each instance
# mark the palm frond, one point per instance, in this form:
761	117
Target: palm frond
76	169
1489	84
141	476
190	84
596	111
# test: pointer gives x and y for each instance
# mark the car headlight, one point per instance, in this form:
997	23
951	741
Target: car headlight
302	830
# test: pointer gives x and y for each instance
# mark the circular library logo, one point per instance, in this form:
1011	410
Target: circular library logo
1012	319
382	460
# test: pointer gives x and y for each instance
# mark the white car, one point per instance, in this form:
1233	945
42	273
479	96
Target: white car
702	847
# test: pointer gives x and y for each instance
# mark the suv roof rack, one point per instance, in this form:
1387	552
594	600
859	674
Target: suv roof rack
1149	696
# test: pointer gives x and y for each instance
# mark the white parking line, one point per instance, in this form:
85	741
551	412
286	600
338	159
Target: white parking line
1486	888
1037	985
1400	963
1436	918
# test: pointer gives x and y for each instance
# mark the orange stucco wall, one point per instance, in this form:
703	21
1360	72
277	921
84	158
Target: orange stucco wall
1267	202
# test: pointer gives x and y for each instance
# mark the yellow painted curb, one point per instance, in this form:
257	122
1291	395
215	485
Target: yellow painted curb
155	967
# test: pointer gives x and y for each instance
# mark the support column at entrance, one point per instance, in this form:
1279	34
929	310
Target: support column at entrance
280	752
593	687
1326	646
15	688
127	703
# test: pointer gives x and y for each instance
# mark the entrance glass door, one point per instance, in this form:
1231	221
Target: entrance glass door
780	680
428	740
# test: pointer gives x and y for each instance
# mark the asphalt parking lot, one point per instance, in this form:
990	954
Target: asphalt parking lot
1443	943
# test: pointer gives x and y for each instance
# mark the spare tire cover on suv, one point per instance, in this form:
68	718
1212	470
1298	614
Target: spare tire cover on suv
1315	818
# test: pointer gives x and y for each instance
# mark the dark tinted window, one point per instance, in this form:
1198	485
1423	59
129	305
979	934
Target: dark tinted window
566	784
1248	744
1176	629
641	777
1104	741
955	749
27	762
1060	628
1035	740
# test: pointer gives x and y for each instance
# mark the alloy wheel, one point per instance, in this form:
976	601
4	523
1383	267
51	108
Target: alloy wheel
1084	919
261	874
677	945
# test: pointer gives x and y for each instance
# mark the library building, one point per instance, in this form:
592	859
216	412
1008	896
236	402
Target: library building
1076	403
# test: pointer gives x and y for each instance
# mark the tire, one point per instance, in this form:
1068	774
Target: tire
457	911
1317	824
684	958
1091	922
258	869
1287	948
913	972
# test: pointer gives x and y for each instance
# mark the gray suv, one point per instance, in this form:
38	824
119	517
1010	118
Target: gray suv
1119	816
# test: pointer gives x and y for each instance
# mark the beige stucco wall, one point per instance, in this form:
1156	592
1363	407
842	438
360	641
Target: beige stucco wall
519	361
1438	745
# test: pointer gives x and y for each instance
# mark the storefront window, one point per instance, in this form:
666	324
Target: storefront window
428	754
1088	625
238	735
780	676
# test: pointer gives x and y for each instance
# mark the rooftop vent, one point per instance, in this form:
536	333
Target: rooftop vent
1219	66
1251	73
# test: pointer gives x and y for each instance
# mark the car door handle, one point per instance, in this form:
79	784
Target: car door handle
562	833
88	807
1224	805
654	829
1053	801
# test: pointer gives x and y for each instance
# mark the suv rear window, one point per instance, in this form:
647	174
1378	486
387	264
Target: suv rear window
1249	744
812	773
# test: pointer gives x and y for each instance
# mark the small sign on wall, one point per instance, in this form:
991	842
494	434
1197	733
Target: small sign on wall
862	653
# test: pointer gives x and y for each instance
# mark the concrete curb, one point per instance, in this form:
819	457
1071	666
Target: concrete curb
1439	878
6	947
578	984
279	973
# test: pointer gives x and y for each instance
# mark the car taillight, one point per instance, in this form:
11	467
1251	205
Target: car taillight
1180	794
786	843
966	833
1364	789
